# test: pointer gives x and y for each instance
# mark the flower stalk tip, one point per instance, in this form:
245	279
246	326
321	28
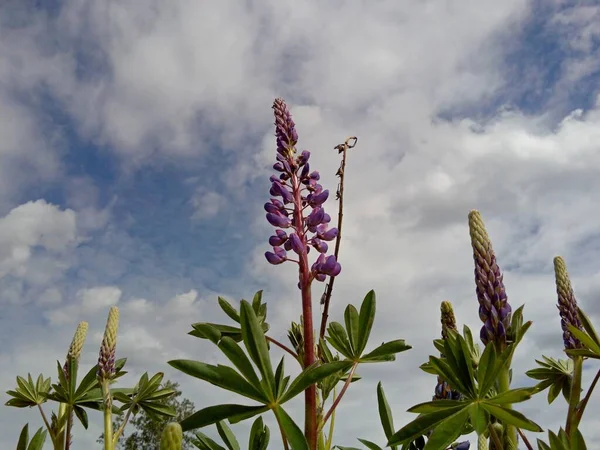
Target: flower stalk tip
494	309
567	304
106	359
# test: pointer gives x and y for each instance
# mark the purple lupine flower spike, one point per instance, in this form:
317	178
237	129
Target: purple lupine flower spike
494	309
567	304
296	188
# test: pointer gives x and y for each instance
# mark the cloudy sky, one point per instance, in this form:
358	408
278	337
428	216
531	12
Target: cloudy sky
136	141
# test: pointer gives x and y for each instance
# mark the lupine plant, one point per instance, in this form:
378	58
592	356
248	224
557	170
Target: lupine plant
472	393
93	392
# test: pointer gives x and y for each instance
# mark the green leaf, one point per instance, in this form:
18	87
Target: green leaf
585	339
588	327
207	442
511	417
239	359
81	415
386	350
486	370
446	432
513	396
256	344
444	369
227	436
228	309
351	319
365	321
214	414
385	413
436	405
421	425
259	435
38	440
542	445
256	302
370	445
312	375
293	433
279	375
555	442
221	376
23	438
480	418
210	332
338	339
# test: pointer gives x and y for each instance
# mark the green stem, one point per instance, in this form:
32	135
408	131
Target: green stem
282	346
331	427
45	419
108	429
495	438
510	432
122	427
342	392
68	429
586	399
571	425
283	438
59	441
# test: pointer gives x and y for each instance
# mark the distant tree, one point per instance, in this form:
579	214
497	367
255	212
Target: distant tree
143	433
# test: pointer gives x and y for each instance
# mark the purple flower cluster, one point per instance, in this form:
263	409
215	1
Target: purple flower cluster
294	190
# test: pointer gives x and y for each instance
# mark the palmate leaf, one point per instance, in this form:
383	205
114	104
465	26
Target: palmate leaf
213	414
221	376
385	413
446	432
259	435
29	393
370	445
422	424
37	441
256	345
227	435
206	443
312	375
366	320
511	417
386	351
556	374
292	431
592	347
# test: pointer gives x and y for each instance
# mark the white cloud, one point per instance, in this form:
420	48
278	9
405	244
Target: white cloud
90	302
188	75
32	226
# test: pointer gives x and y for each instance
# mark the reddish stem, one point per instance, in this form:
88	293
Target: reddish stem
310	395
342	392
282	346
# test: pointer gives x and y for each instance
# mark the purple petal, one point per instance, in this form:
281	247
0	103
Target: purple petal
273	258
319	199
304	157
320	277
296	243
319	245
278	166
278	220
315	217
315	176
304	172
329	235
271	208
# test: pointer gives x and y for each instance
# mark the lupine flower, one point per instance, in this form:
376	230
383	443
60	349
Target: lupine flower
76	346
295	189
172	437
106	359
494	309
448	319
567	304
443	391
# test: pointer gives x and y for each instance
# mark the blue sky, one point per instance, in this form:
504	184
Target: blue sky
136	149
